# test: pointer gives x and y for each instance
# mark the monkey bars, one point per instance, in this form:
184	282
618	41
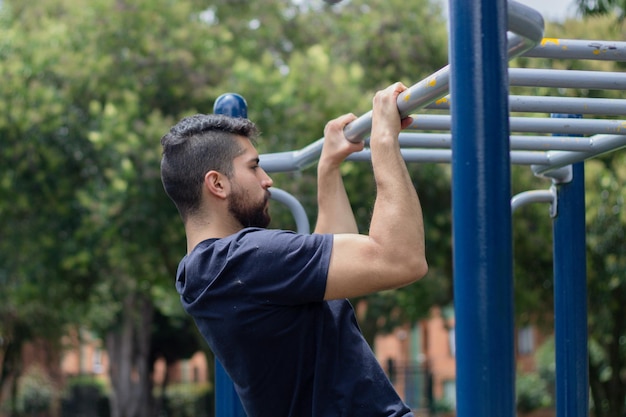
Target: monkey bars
477	141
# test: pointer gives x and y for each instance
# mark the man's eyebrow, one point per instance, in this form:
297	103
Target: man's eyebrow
255	160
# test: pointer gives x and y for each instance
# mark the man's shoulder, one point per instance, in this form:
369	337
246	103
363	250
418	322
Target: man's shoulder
269	237
252	247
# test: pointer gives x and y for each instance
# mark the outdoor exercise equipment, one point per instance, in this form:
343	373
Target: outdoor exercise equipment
481	149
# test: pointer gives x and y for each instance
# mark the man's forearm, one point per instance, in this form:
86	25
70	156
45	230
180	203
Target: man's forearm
396	223
397	214
335	213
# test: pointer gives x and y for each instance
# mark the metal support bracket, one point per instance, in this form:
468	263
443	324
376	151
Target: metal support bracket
537	196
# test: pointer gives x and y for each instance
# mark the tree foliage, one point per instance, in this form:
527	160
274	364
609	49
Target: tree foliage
87	234
89	87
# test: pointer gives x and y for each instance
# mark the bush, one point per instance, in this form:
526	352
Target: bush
442	406
532	393
189	400
36	392
86	396
546	366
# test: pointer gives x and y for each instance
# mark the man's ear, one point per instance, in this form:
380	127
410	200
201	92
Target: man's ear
217	184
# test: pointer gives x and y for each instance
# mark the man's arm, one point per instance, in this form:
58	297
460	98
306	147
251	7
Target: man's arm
334	211
393	255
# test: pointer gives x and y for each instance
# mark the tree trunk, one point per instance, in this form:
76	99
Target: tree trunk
597	391
128	346
11	369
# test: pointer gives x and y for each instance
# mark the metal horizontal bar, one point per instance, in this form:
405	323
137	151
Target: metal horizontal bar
445	156
596	80
544	153
601	144
571	105
292	160
533	124
528	143
579	49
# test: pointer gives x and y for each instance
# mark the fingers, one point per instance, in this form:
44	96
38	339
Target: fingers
393	90
336	147
339	123
406	122
346	118
385	114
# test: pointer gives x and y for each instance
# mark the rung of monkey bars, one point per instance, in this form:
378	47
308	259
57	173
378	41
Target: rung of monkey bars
594	80
533	124
547	104
518	142
579	49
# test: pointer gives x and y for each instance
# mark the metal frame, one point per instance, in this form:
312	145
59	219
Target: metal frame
481	150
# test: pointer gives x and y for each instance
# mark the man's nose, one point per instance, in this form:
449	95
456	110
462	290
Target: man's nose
267	181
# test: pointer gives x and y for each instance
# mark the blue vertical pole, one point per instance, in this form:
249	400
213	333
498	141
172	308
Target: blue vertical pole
483	271
570	296
227	403
570	299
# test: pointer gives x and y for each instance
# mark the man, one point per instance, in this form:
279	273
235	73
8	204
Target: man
272	304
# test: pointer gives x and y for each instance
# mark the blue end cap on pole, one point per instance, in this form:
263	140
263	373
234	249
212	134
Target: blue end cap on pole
231	104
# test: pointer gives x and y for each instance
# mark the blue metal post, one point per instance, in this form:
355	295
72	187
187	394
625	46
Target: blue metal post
227	403
570	299
570	296
483	277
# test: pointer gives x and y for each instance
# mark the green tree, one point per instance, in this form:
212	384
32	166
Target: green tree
606	223
80	180
42	167
88	89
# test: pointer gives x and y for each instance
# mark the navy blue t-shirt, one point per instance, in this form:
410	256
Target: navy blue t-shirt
258	299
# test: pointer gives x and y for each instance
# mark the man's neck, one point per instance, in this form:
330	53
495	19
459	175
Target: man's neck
197	232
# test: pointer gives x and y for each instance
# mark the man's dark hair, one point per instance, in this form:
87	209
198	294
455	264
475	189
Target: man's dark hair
196	145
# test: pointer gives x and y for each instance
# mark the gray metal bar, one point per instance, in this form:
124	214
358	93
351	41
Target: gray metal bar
558	159
597	80
533	124
568	126
573	105
410	155
535	196
541	162
527	157
292	160
445	156
518	142
579	49
525	20
298	212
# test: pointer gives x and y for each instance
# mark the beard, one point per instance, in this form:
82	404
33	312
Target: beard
249	214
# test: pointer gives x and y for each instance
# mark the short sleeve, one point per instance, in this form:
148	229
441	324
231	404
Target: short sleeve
269	266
